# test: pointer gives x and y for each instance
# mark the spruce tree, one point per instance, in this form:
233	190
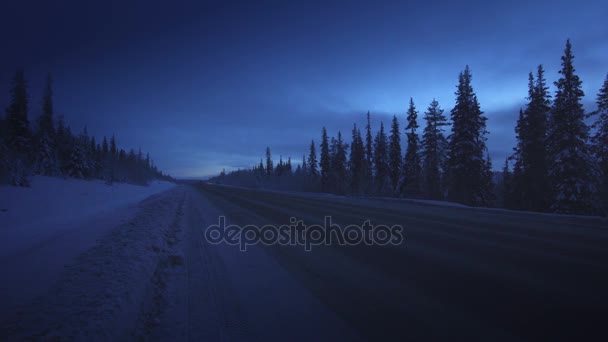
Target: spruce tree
64	145
313	168
369	153
269	166
4	154
280	166
104	147
381	163
357	162
46	162
530	184
288	167
45	122
507	186
535	163
394	154
600	142
304	167
411	167
572	172
19	135
518	191
113	148
18	125
324	161
466	166
338	165
434	151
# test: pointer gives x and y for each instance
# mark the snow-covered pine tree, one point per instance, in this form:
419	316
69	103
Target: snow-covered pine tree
467	146
394	155
572	169
381	164
600	142
412	172
78	164
434	151
19	135
45	159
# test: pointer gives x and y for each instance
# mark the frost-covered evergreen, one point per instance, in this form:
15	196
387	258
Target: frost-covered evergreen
434	151
466	166
53	150
572	170
45	159
78	165
394	154
18	132
412	172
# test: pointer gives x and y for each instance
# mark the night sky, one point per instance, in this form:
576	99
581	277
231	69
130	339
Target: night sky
208	85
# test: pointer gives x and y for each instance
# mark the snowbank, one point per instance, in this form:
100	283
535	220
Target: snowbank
31	215
45	227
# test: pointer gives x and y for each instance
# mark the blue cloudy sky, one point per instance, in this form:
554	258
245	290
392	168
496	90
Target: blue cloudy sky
206	85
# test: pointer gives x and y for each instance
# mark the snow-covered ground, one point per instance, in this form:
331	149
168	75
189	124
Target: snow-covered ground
30	215
44	227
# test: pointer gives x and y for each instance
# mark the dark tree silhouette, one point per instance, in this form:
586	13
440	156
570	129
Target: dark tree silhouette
572	170
394	154
600	141
434	151
466	166
412	172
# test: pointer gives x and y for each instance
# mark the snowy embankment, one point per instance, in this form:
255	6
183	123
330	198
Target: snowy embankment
32	215
46	226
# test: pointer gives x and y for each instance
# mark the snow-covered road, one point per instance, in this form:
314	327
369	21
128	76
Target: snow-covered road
152	276
462	273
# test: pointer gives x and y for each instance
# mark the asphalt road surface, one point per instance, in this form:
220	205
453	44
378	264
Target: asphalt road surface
460	273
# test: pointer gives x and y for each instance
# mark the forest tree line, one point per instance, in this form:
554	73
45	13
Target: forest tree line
560	163
48	147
